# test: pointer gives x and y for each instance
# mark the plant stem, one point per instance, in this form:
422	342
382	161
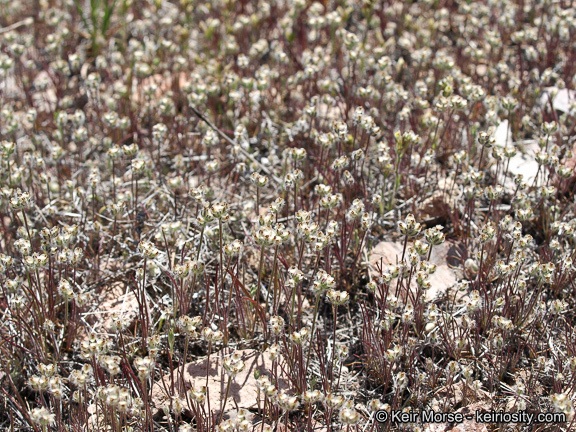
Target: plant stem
223	406
65	315
272	281
221	259
404	248
312	331
257	297
26	224
113	181
183	389
145	320
335	308
200	242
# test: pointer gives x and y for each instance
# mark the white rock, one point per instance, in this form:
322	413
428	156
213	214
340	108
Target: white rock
524	162
243	389
565	100
503	134
391	253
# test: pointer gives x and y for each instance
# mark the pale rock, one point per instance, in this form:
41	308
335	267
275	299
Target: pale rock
571	162
316	426
113	301
524	162
164	83
503	134
391	253
564	101
46	99
9	88
385	253
466	425
243	391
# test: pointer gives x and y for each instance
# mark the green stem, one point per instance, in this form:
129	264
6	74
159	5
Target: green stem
399	155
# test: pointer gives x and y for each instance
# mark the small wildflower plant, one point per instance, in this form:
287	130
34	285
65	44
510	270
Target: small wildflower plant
187	184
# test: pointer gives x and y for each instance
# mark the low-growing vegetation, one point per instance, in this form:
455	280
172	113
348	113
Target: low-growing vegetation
286	215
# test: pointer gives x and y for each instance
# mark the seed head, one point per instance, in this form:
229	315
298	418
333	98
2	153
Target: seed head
38	383
130	150
196	267
20	200
265	236
233	248
219	210
341	351
421	248
340	163
487	232
485	139
298	154
198	395
233	364
212	335
349	416
42	417
277	205
188	325
259	180
323	281
276	324
337	298
333	401
312	396
299	337
65	289
286	402
348	178
144	366
410	227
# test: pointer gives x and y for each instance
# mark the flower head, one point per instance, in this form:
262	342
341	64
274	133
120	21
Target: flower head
42	417
410	227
